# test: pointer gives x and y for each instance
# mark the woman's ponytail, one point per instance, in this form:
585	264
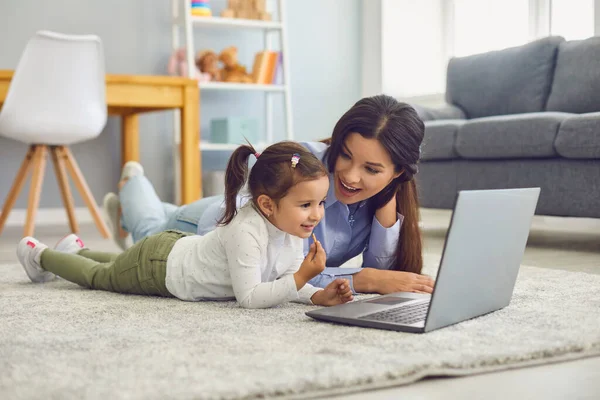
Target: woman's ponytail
409	255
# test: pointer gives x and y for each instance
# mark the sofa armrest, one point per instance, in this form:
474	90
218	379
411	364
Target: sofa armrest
448	111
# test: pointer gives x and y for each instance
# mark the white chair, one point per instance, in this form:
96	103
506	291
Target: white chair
56	98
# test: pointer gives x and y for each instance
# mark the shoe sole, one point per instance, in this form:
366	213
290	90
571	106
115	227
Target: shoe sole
131	166
111	213
58	246
33	274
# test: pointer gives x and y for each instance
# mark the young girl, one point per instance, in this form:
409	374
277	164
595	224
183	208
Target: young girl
255	255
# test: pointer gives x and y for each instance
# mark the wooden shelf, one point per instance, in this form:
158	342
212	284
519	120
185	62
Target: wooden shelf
240	23
240	86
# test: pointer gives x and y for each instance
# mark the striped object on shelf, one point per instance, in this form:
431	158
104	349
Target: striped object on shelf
201	8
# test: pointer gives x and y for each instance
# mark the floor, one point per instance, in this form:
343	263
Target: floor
565	243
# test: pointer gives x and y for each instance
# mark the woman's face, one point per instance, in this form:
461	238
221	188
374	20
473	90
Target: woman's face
362	169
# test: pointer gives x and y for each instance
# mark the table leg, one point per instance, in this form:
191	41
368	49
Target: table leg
130	138
191	184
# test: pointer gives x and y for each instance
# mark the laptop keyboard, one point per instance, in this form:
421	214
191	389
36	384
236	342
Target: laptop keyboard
401	315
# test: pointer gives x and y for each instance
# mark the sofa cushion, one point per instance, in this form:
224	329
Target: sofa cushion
579	137
511	81
510	136
448	111
438	143
576	86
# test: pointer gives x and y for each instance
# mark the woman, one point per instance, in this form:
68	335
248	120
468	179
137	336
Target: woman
371	208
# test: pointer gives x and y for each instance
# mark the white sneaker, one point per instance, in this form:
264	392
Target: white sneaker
70	244
29	252
132	168
111	205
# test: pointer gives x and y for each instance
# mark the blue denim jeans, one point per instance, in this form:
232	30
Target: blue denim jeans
143	214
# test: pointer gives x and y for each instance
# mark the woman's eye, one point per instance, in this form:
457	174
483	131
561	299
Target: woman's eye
344	155
371	170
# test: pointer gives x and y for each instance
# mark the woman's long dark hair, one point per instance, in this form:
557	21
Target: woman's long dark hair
272	174
400	131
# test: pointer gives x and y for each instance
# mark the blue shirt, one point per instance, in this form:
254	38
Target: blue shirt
344	232
343	239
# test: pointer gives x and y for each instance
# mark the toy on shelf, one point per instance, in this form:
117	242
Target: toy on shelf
232	70
246	9
201	8
178	66
207	61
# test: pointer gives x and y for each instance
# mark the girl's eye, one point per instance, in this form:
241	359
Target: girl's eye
344	155
322	203
371	170
305	205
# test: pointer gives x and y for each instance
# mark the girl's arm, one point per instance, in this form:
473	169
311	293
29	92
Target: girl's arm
243	250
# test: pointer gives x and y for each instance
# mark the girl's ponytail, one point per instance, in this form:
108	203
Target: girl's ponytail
235	178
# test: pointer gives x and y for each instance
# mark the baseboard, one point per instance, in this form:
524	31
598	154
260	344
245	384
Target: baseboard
48	216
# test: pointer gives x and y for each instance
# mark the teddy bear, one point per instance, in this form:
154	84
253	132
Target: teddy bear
207	62
233	71
178	66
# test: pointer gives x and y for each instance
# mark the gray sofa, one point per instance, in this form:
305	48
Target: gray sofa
519	117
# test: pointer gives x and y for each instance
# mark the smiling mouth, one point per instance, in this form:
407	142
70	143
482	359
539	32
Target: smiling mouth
347	188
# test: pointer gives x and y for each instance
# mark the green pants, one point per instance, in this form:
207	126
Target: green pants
140	269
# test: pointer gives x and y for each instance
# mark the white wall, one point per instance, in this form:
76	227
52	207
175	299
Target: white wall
412	48
402	43
371	48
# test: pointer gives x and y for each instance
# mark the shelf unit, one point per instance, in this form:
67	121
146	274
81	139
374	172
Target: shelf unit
232	22
241	86
182	18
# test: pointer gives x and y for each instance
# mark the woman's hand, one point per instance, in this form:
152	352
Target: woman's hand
337	292
371	280
313	265
387	215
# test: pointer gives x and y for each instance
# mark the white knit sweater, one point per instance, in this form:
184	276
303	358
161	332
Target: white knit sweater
249	260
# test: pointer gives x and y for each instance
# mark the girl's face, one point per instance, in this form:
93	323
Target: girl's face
302	208
362	169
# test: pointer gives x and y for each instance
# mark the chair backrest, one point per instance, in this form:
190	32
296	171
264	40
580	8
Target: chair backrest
58	92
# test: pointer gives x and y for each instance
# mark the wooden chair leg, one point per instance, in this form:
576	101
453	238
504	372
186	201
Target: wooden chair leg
63	183
84	190
37	179
16	187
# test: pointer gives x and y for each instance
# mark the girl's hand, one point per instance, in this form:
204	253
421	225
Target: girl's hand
313	265
337	292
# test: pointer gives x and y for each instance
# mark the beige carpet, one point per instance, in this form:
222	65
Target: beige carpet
59	341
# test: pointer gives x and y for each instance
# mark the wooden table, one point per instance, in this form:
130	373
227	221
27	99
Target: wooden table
131	95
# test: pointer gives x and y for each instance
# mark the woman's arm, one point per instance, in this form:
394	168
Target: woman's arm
387	215
371	280
383	238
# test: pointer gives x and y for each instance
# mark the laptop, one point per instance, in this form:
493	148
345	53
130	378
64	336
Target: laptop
482	253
